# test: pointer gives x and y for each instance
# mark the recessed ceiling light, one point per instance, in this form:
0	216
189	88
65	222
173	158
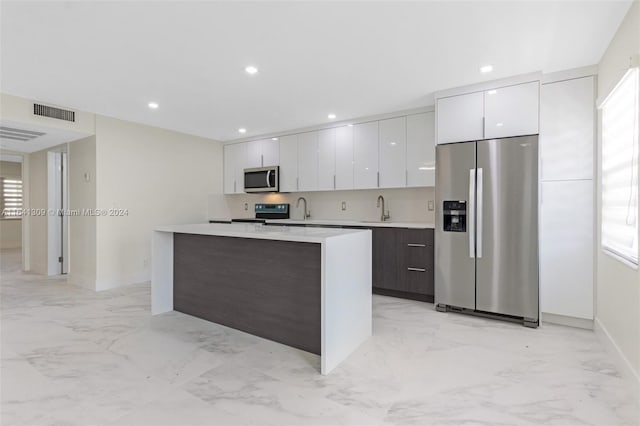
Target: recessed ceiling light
274	139
393	144
153	105
349	125
251	69
492	92
331	116
242	130
486	68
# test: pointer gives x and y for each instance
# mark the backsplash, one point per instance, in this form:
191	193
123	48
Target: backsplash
404	204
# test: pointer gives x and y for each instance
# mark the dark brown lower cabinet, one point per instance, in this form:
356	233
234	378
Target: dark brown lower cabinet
267	288
403	263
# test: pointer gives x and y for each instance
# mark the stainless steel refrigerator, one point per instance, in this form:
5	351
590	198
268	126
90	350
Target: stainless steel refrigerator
487	228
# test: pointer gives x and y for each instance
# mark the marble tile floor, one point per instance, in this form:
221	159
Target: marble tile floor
76	357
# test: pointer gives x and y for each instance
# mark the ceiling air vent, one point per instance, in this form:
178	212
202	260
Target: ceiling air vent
18	134
57	113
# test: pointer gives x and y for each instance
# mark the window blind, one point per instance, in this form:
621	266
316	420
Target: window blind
11	200
620	169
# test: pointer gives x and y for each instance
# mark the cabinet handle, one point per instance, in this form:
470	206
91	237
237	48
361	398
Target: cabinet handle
234	186
378	173
417	269
406	177
483	126
261	160
297	184
416	245
334	181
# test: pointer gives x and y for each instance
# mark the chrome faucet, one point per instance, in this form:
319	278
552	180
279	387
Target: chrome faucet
307	214
383	216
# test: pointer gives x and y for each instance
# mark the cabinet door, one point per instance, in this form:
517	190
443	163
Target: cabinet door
344	157
365	155
308	161
385	243
289	163
270	152
512	111
240	164
460	118
421	150
566	248
327	160
567	118
392	151
416	268
229	169
254	154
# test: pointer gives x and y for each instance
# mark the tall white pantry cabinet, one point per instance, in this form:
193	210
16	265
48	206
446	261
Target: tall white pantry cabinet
567	139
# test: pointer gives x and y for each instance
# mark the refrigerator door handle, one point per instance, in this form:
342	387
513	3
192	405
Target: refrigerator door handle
471	216
479	185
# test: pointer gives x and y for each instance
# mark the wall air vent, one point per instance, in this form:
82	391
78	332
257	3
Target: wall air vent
57	113
18	134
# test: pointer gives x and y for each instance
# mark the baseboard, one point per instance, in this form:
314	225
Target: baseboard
567	320
403	294
628	370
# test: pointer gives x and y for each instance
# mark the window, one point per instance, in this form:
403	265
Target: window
620	169
11	199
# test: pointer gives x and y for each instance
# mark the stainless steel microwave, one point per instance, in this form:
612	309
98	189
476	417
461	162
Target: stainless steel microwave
262	179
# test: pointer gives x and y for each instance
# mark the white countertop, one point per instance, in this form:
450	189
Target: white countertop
332	222
259	231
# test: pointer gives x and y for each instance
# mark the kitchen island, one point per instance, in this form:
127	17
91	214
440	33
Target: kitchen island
309	288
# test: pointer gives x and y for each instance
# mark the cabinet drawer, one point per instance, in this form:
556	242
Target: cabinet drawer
419	280
418	257
415	238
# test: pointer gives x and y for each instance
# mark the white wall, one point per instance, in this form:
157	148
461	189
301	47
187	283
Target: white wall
618	286
82	229
38	200
10	229
404	205
161	177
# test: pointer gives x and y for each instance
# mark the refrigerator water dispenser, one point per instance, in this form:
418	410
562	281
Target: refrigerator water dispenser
455	216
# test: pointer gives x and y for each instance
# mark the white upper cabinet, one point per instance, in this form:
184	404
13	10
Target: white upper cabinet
262	153
327	160
512	110
254	154
235	159
365	155
289	163
421	150
344	158
308	161
392	152
270	152
567	116
460	118
496	113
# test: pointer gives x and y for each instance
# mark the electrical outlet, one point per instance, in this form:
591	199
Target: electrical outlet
246	206
344	205
430	205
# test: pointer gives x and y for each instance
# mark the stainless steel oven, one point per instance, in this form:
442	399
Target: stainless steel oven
262	179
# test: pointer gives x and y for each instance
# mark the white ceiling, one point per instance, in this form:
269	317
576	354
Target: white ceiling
350	58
